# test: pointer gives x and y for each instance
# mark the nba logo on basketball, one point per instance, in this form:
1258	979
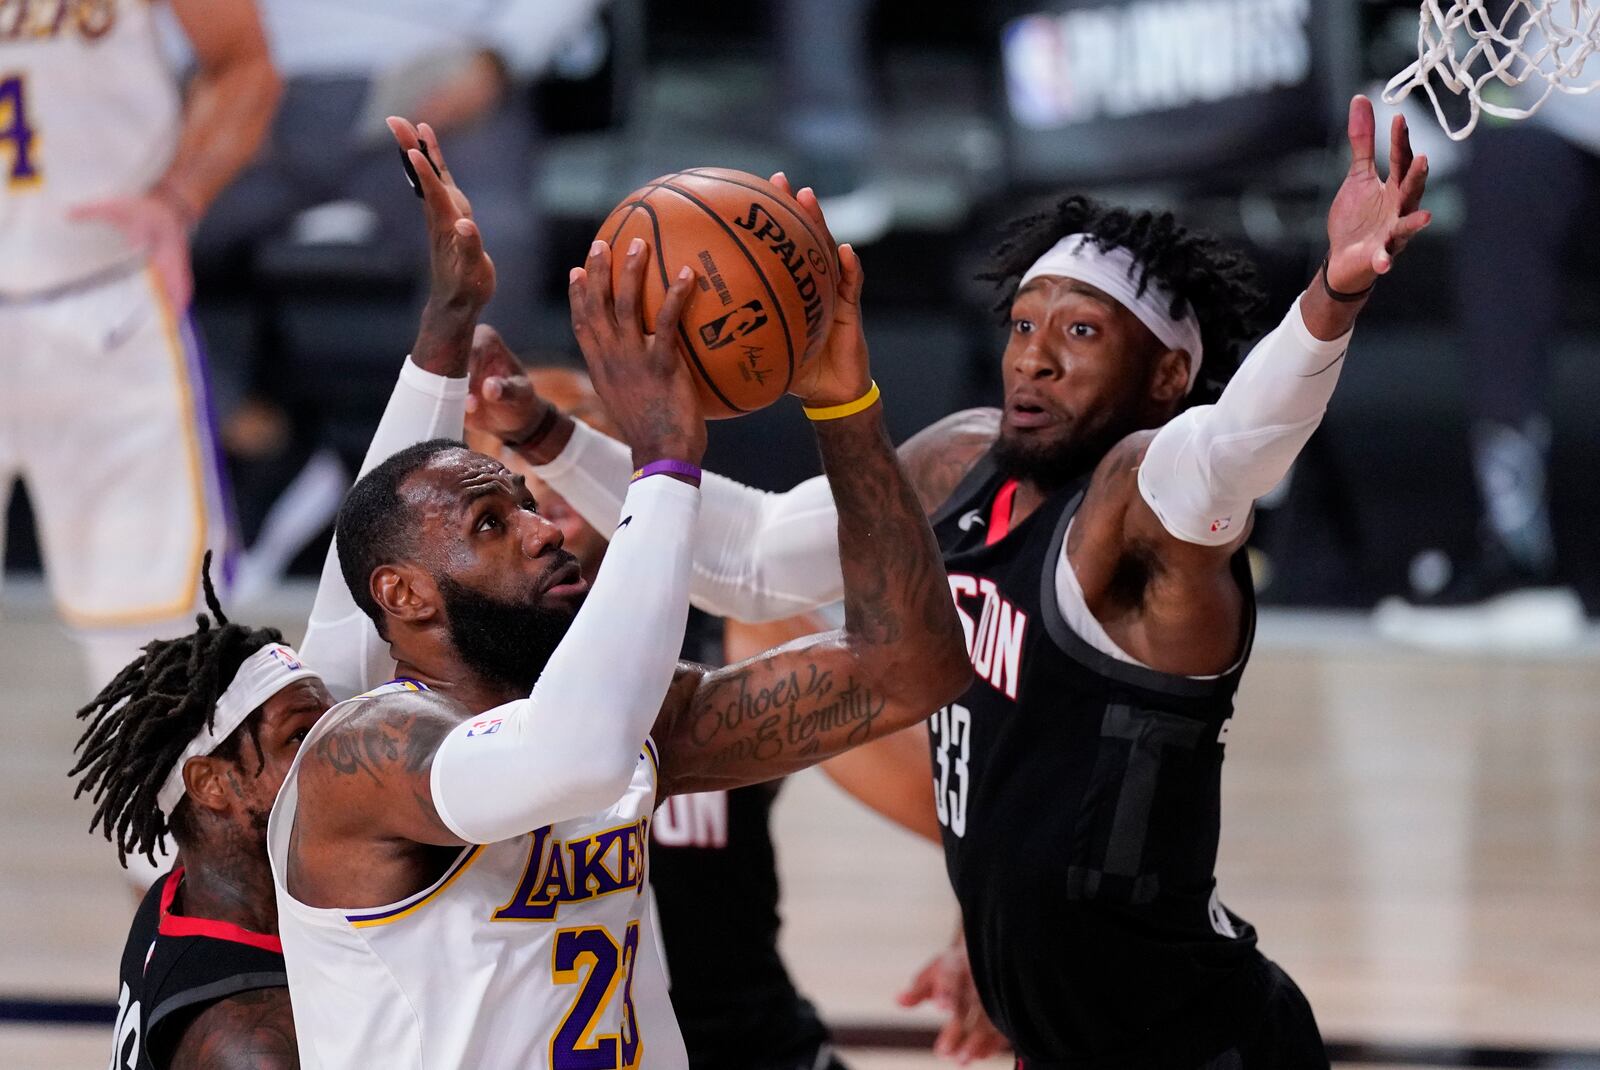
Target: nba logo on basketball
741	321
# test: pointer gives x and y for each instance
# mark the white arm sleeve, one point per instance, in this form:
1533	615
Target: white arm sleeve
341	642
1205	468
757	556
570	748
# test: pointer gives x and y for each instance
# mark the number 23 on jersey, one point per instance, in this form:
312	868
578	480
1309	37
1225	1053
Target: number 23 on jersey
17	137
590	958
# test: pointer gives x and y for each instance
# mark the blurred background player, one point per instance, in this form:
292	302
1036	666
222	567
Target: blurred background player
734	999
105	171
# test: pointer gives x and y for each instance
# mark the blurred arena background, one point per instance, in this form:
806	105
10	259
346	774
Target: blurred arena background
1412	798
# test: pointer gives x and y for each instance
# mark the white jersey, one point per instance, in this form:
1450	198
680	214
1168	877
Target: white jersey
533	952
88	110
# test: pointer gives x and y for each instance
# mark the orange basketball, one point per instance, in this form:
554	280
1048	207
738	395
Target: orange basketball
766	275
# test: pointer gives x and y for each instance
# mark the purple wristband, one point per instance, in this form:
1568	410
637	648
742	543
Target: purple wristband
674	468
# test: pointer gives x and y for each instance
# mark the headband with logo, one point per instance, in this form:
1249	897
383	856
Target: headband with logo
263	674
1116	272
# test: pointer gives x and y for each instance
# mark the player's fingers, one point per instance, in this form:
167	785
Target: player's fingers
598	296
1382	261
578	303
426	134
807	199
1409	227
469	240
1361	131
851	277
948	1041
1399	150
635	263
671	310
434	194
405	135
921	988
781	180
1414	185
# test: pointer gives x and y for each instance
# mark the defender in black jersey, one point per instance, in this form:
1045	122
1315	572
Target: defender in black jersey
1093	530
193	738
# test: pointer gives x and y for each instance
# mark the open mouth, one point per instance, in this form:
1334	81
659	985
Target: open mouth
567	580
1026	414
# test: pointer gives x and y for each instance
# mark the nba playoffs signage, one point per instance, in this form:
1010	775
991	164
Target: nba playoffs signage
1121	89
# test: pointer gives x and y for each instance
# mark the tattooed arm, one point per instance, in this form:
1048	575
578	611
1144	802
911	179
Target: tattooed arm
899	656
250	1031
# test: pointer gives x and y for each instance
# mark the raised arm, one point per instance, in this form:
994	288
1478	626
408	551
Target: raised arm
1178	501
418	767
758	556
899	656
428	402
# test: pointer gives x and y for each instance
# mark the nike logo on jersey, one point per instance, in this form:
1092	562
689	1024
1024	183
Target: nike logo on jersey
625	522
994	629
571	871
971	520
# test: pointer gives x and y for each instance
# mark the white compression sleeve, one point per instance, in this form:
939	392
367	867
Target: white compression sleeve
1206	467
570	748
757	556
341	642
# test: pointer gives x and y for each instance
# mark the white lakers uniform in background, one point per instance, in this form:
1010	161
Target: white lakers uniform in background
101	392
534	952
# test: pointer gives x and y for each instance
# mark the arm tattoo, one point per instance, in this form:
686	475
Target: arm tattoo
900	655
249	1031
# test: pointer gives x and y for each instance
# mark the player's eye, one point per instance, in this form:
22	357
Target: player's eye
1022	326
531	506
300	736
487	522
1083	330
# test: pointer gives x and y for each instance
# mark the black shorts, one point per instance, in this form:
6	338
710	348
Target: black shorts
1287	1037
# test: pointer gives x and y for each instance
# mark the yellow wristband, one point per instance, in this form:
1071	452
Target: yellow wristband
849	408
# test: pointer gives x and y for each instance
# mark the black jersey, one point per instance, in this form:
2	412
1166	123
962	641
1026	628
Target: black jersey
175	966
1079	796
715	878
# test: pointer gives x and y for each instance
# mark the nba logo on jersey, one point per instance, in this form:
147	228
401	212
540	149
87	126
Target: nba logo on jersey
486	727
282	655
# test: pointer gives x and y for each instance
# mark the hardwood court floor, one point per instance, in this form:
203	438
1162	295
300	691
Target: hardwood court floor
1416	838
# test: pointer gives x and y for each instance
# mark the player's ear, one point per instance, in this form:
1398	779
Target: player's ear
205	780
405	592
1170	381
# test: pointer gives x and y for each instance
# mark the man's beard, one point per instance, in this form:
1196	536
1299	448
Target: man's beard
1055	463
505	643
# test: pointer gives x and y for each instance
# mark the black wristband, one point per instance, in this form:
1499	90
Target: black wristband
546	423
1339	295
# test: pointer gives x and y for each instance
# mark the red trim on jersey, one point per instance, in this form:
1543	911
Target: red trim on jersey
1000	513
179	925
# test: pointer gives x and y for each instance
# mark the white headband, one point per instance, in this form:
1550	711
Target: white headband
263	674
1116	271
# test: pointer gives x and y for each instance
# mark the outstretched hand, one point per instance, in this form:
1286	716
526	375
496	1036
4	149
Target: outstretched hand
946	981
1372	219
841	372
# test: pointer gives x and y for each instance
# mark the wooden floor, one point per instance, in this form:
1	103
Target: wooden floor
1416	838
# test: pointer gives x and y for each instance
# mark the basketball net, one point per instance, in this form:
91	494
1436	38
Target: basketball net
1543	44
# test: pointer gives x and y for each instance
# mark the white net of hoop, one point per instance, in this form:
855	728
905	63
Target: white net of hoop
1535	47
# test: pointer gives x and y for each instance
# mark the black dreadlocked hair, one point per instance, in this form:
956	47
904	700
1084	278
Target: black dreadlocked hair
1217	282
148	714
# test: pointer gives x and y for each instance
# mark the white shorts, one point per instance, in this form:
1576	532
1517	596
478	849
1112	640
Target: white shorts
103	413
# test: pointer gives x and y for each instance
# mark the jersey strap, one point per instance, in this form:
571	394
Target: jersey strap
179	925
399	683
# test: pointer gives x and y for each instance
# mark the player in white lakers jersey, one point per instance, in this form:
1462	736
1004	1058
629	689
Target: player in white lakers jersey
103	170
460	857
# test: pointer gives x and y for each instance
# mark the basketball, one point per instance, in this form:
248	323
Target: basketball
766	275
